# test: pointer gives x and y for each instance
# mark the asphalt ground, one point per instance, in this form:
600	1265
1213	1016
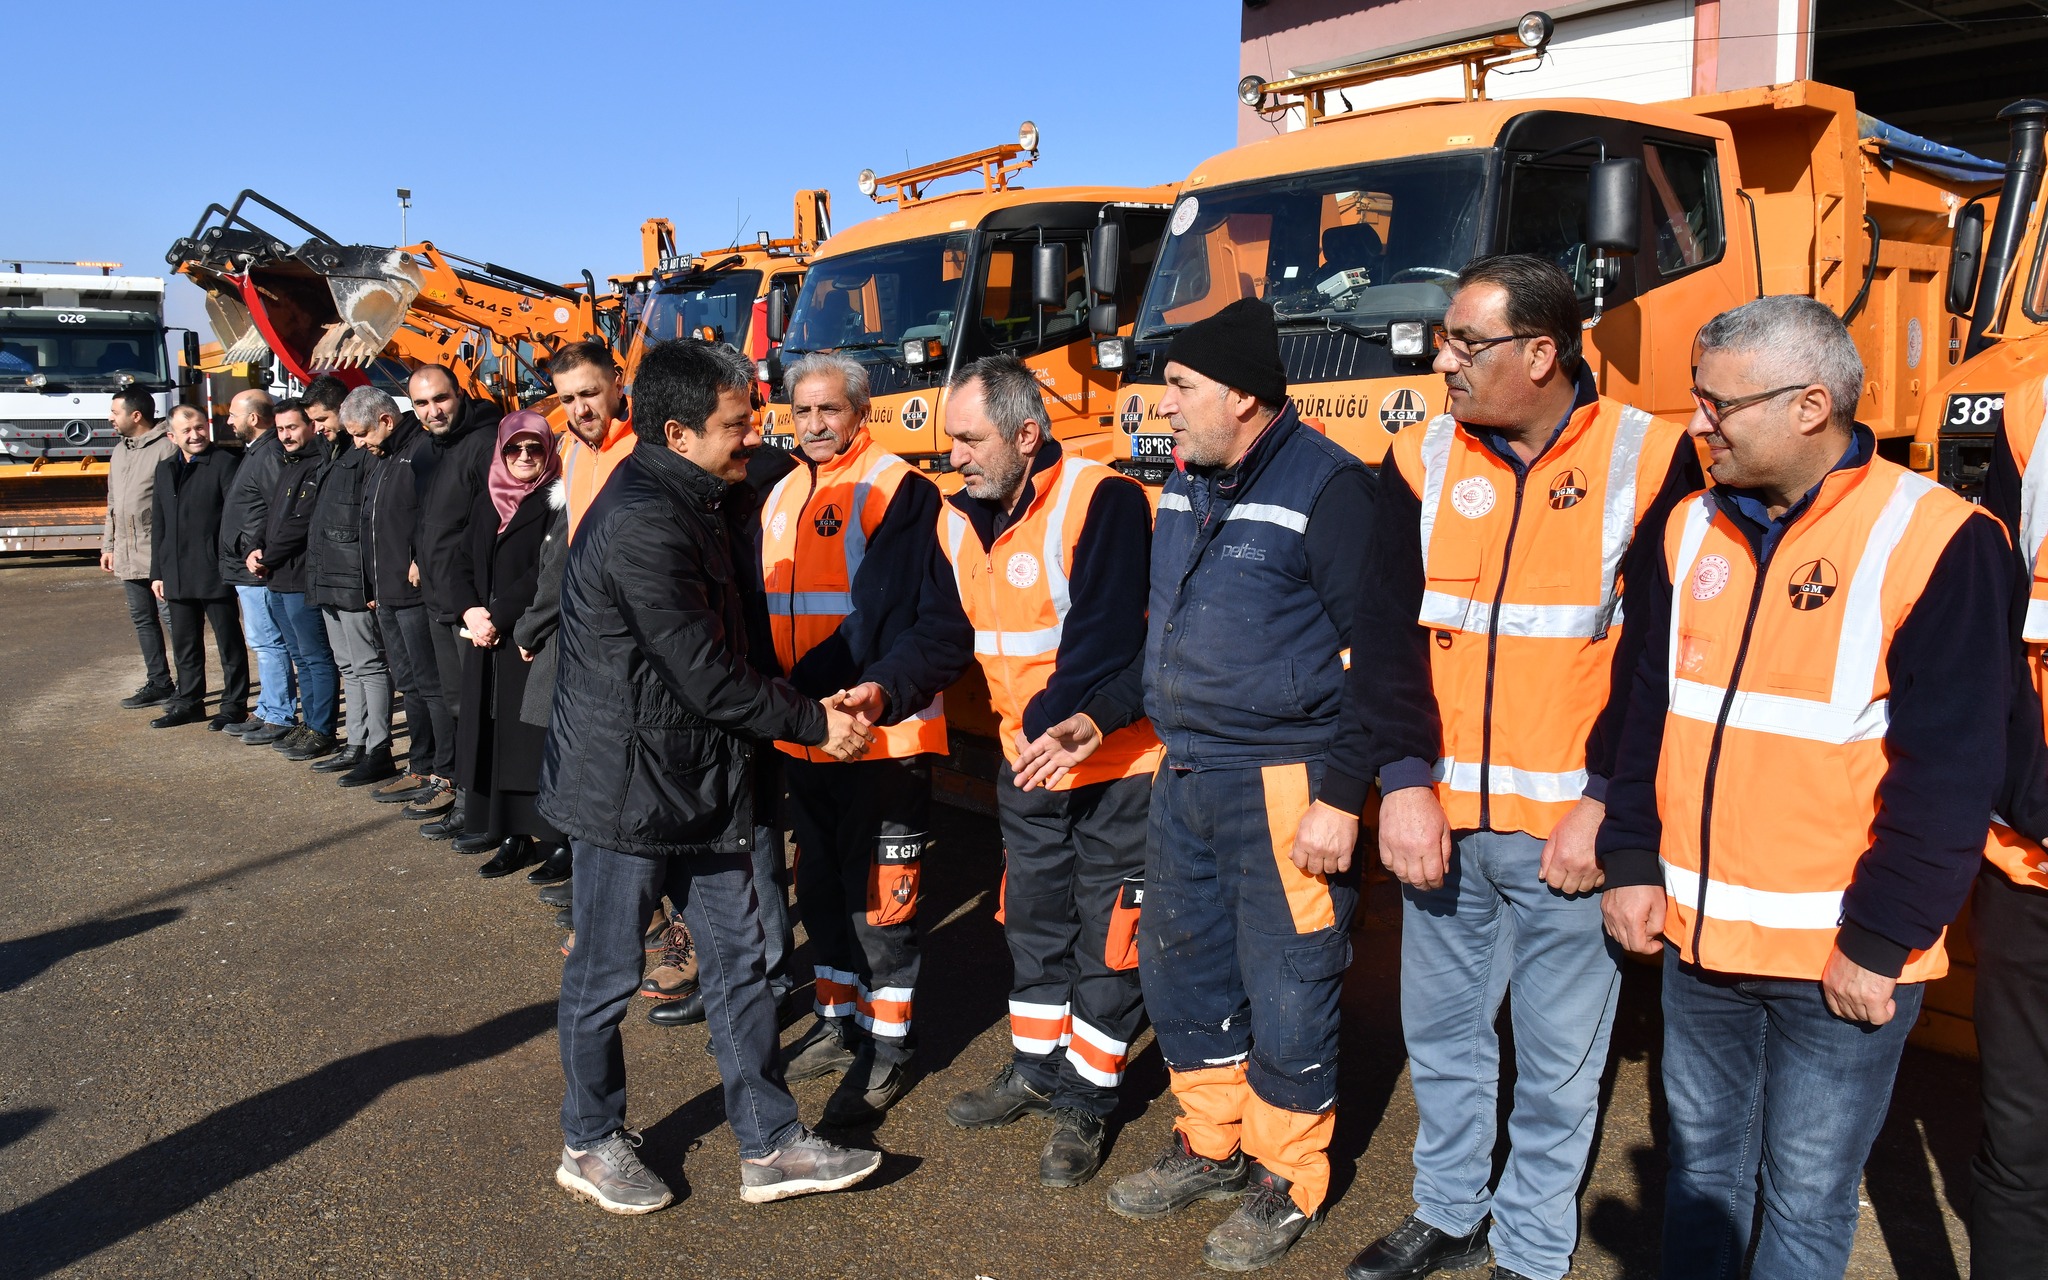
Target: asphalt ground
252	1025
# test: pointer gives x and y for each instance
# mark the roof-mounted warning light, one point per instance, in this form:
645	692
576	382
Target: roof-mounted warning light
1524	42
997	164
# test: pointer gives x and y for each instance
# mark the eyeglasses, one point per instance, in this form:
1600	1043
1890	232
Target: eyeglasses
525	450
1467	350
1717	411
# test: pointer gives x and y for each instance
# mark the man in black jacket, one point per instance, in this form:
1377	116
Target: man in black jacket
337	580
184	571
648	768
251	415
279	558
402	459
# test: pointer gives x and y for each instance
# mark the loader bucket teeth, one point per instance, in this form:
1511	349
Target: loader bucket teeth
372	290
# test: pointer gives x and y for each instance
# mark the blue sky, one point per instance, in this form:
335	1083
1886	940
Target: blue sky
540	135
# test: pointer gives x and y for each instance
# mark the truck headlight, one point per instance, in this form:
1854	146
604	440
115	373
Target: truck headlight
38	380
866	182
1534	30
1408	338
1251	91
1109	353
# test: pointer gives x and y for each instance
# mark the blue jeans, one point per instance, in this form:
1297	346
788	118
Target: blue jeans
1763	1081
615	894
1493	928
305	638
276	701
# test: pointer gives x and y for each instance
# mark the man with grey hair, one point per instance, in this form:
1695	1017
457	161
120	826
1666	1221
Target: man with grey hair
337	580
858	600
1048	555
1814	741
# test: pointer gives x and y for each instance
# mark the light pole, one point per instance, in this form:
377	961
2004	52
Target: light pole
404	203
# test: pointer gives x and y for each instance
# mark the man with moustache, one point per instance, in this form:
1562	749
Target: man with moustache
592	393
125	544
252	417
191	491
279	557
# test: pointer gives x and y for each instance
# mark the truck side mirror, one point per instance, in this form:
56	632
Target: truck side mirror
1105	254
1965	258
778	314
191	350
1613	205
1049	276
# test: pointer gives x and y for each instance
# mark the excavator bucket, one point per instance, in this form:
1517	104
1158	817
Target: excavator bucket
240	340
372	288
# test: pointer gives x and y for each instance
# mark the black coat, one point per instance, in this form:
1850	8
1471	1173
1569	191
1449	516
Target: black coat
288	517
334	549
657	715
506	573
397	472
441	545
184	546
242	520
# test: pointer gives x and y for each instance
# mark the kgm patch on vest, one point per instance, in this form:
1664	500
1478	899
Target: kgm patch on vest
1472	497
1567	489
1812	585
1022	571
827	522
1709	577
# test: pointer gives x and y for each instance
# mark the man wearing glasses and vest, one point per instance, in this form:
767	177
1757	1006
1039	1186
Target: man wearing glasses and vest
1241	950
1815	737
1485	639
1048	553
2009	913
860	605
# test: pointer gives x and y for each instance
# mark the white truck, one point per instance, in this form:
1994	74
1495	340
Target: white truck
68	342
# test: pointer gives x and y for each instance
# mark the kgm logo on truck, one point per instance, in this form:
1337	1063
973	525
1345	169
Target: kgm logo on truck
915	412
1133	415
1403	405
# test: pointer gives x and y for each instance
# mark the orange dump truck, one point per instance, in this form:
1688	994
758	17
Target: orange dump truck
1354	225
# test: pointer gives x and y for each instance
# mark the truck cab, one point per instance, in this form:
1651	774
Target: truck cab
946	279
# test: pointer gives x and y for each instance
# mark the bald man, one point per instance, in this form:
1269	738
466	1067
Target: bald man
252	416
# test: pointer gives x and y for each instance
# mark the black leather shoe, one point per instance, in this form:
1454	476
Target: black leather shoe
1074	1151
370	767
149	695
998	1102
447	827
1503	1273
558	895
555	868
250	725
515	853
176	716
565	919
827	1048
467	844
1414	1249
268	735
312	745
679	1013
341	761
226	718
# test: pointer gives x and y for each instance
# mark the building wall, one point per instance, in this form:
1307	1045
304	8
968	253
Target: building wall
1632	50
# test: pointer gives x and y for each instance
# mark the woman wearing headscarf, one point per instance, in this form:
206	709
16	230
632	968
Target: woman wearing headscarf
497	754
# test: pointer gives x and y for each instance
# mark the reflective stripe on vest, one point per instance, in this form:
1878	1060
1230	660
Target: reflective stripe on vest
2033	503
1285	517
1044	640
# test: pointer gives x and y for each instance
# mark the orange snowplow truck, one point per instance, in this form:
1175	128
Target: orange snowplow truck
1354	225
944	279
720	295
368	313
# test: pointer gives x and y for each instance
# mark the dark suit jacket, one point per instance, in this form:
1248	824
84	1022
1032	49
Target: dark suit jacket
184	548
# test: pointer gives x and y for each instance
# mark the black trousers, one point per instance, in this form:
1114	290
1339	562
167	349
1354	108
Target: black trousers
415	669
861	829
1073	884
2009	1204
189	619
147	613
448	649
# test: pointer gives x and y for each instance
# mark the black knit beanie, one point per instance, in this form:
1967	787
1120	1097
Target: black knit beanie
1239	347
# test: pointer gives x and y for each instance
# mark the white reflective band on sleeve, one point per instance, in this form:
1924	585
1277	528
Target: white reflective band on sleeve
956	529
1618	520
810	604
2035	629
1174	502
1436	460
1018	644
1546	788
1534	621
1738	904
1285	517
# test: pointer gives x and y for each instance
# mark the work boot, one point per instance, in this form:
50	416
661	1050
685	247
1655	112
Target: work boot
610	1174
435	801
446	827
1503	1273
1415	1249
1176	1180
225	718
312	745
290	741
1265	1226
682	1012
268	735
245	726
403	789
476	843
565	919
558	895
676	975
346	757
515	853
870	1086
149	695
371	767
807	1164
998	1102
555	868
826	1049
1074	1152
175	716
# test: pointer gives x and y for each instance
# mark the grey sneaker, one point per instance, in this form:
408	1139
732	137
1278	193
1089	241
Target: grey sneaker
611	1176
803	1166
1176	1180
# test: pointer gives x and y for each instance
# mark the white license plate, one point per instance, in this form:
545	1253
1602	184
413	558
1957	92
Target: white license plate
779	441
1157	448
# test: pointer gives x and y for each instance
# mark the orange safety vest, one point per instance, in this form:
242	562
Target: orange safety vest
1522	589
1779	703
584	469
1020	611
2026	412
815	527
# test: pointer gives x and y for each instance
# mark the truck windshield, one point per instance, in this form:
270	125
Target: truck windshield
82	355
877	297
1361	245
684	308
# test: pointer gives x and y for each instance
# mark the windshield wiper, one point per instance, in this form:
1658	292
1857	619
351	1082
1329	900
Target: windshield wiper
1334	325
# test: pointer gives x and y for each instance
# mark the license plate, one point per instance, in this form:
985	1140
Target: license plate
780	441
1973	413
1159	448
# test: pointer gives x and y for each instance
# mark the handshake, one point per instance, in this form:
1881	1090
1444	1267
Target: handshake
850	717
